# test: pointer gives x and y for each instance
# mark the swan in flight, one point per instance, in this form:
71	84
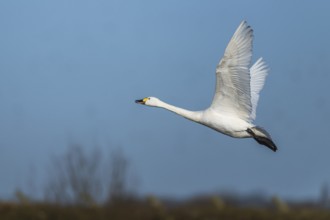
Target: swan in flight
233	108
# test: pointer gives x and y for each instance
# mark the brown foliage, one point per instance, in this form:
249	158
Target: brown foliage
147	210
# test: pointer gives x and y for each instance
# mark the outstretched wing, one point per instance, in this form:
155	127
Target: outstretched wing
258	71
233	92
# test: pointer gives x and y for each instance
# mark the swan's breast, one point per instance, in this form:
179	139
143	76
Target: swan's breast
226	124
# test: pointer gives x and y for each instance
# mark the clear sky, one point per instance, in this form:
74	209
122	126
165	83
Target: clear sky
71	70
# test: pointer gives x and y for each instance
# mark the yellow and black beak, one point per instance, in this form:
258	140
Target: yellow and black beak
141	101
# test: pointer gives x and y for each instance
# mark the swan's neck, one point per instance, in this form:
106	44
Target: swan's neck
191	115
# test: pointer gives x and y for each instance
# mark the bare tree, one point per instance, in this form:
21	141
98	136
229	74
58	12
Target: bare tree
118	175
79	177
324	196
75	177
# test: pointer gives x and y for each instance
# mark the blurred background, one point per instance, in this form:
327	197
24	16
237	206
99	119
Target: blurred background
71	70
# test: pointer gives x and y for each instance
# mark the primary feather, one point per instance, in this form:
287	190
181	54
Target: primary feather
258	73
237	86
233	93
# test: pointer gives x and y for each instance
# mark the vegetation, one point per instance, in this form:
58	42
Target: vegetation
152	208
77	189
86	178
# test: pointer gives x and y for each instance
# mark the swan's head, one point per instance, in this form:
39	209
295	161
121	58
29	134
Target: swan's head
150	101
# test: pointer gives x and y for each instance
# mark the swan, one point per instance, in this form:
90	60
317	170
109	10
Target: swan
233	108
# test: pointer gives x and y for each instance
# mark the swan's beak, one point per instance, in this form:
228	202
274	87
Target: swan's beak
140	101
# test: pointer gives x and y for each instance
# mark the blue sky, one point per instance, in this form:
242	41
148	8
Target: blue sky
71	70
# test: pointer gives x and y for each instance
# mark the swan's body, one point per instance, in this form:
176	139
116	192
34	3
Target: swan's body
237	92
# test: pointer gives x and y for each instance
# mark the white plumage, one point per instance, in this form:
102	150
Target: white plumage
258	75
233	108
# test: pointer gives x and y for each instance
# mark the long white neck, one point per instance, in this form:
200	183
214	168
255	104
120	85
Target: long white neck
191	115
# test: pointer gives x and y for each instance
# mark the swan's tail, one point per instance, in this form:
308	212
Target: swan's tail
262	137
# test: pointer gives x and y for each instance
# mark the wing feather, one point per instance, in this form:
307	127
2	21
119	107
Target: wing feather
258	71
233	93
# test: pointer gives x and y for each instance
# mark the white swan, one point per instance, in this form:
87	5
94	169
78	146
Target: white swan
236	95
